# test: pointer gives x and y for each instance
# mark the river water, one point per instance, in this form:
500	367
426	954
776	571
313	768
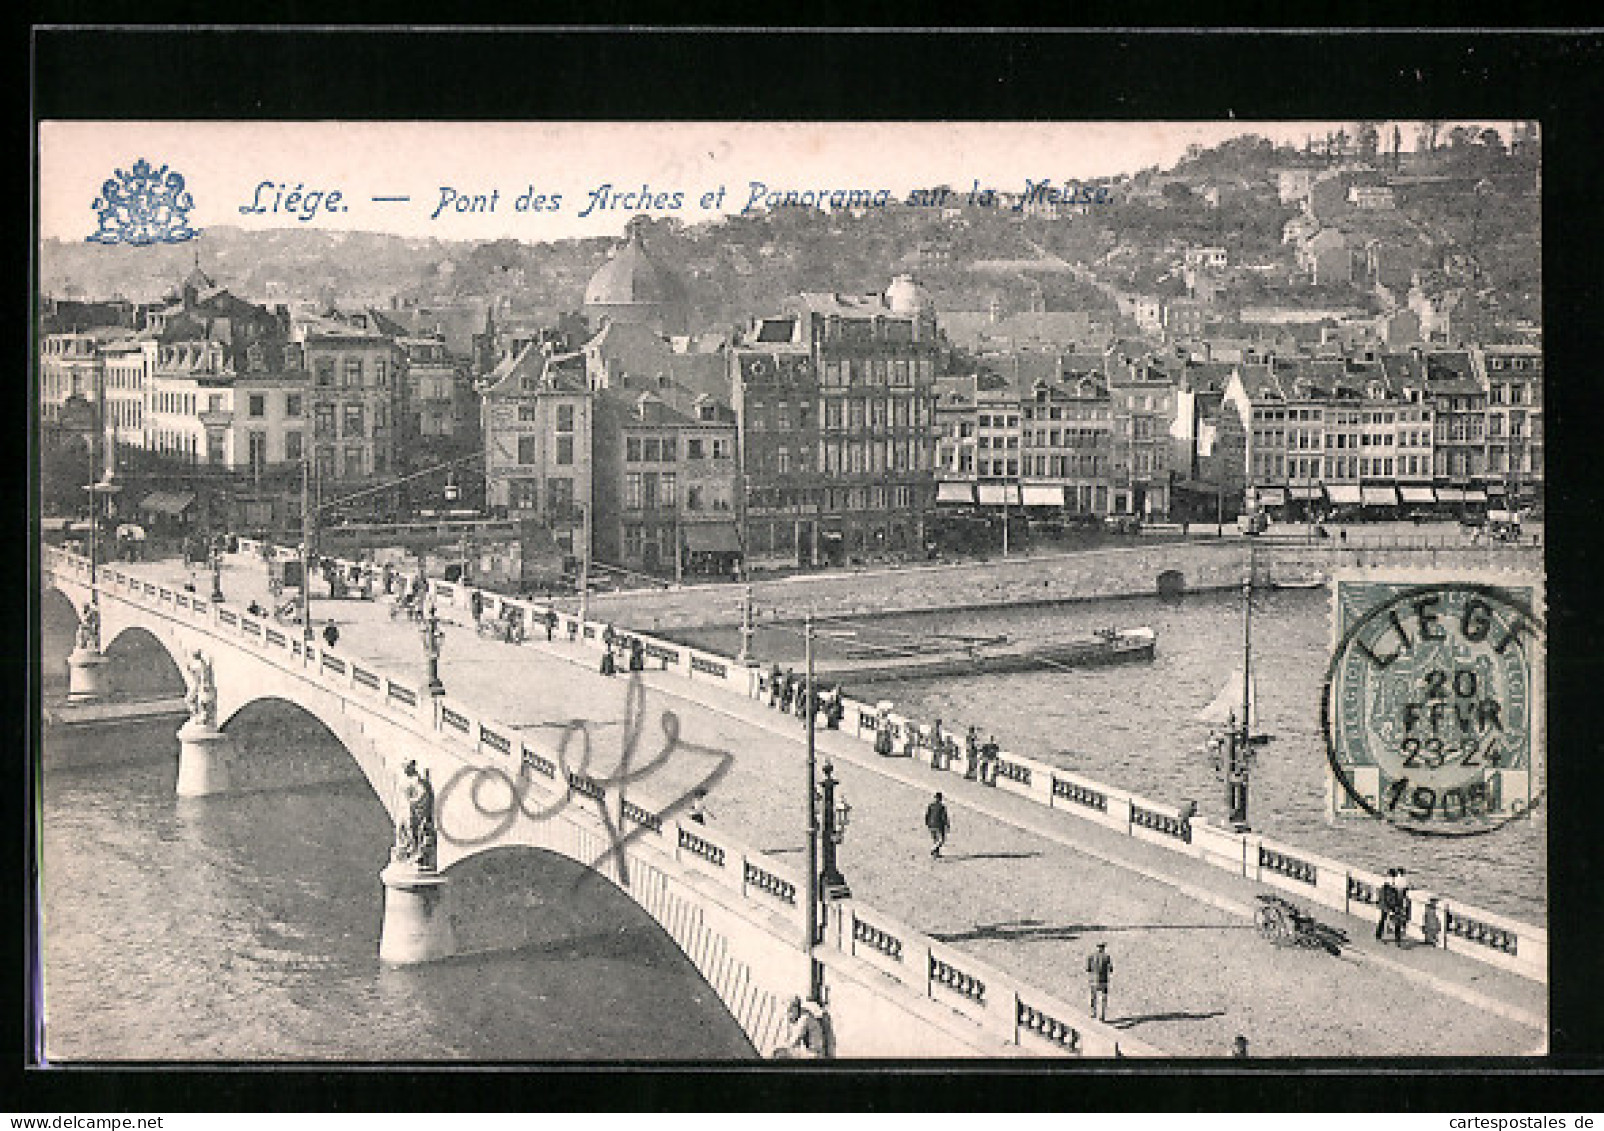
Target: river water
1134	726
246	927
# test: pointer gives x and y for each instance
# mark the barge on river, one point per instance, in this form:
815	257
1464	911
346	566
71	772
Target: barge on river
1111	646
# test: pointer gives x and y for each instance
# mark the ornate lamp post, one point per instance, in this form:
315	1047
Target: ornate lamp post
746	627
432	637
836	817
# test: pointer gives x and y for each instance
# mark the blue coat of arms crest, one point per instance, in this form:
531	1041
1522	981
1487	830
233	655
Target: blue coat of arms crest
144	206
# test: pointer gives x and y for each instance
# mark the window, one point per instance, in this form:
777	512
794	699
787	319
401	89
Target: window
565	451
525	495
214	447
353	421
721	449
783	460
528	449
693	448
381	372
668	493
256	405
652	449
324	368
565	418
693	498
353	373
323	424
560	495
353	462
325	462
632	491
292	446
292	404
257	447
528	413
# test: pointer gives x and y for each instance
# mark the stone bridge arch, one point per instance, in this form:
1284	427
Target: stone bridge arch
727	919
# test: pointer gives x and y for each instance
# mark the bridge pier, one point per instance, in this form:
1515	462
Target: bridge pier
416	925
203	760
86	676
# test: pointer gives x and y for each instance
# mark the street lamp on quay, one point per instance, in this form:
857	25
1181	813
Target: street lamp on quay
824	877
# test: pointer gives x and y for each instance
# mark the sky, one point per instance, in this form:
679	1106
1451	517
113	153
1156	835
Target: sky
465	180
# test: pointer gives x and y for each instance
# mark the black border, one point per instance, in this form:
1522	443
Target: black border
585	74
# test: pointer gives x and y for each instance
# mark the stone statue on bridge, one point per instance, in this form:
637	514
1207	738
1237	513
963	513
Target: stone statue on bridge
202	697
89	629
416	841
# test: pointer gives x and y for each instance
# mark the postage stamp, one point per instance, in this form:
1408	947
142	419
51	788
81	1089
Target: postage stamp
1432	704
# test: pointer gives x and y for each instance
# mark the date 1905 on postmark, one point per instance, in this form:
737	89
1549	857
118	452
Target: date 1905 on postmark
1431	705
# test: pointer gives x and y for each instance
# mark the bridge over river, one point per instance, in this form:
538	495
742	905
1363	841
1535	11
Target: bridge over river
979	953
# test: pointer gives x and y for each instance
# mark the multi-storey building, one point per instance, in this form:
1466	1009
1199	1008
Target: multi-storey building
664	453
1142	401
1459	401
1513	375
1067	444
536	423
836	408
355	395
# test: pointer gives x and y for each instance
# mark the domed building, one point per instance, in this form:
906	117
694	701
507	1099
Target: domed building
633	288
907	297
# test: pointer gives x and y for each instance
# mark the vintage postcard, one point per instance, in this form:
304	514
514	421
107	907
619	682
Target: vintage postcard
716	591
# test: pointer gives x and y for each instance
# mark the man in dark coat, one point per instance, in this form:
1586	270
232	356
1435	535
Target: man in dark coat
939	823
1391	909
1099	966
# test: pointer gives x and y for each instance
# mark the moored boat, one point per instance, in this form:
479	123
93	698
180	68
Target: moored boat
1110	646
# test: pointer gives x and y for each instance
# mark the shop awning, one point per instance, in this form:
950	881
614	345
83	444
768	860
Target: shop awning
1475	495
1344	495
1450	495
167	502
1270	496
1304	492
1418	494
1379	496
955	493
1043	495
998	494
712	538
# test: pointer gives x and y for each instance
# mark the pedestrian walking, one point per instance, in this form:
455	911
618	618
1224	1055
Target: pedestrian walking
476	603
882	730
551	623
972	754
609	666
331	635
637	656
990	756
939	824
1099	966
938	746
1239	1047
775	679
1391	908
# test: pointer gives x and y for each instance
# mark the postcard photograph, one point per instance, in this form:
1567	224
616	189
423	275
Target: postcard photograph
743	591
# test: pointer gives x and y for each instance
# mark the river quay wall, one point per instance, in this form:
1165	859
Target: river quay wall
1086	575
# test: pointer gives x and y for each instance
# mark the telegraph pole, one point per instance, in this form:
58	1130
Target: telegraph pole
584	566
815	969
306	547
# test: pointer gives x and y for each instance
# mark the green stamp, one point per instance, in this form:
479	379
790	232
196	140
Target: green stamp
1432	704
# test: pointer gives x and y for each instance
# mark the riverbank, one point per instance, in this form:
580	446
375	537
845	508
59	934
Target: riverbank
1085	575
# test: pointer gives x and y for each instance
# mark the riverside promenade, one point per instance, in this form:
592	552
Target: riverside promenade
1026	889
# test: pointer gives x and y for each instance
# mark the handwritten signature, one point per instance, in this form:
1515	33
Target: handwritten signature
504	804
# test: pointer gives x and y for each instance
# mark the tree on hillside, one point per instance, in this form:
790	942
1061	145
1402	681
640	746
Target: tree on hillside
1368	139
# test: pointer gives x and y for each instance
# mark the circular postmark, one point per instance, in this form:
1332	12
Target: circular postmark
1429	708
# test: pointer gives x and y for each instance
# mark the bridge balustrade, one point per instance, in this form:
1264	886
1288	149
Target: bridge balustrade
1030	1015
